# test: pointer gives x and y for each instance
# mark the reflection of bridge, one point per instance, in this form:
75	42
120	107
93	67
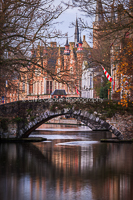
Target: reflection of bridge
21	118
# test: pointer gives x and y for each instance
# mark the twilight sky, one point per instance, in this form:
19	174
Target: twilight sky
67	18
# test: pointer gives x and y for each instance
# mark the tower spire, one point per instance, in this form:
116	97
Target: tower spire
112	12
99	12
76	34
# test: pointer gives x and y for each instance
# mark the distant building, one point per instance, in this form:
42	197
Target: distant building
61	68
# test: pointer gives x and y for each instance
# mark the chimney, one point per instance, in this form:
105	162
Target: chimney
83	38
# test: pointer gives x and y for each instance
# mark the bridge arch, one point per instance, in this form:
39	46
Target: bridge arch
85	117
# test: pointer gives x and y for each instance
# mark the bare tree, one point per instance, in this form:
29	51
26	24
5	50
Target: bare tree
22	24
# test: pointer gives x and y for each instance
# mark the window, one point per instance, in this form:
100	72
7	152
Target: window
55	85
23	86
30	87
37	87
48	87
41	87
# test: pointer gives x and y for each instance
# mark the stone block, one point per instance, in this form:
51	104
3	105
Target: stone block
97	119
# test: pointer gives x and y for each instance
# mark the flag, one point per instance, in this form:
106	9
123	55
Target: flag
77	90
107	74
109	78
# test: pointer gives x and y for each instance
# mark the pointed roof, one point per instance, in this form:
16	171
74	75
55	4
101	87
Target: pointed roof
76	27
76	32
67	42
66	50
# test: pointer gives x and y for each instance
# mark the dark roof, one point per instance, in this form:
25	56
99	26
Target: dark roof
67	42
59	92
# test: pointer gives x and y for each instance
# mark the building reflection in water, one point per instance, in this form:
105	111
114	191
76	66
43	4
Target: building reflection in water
48	171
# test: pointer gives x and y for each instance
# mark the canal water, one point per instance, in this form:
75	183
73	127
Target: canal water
71	165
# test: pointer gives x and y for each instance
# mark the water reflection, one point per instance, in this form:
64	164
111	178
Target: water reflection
45	170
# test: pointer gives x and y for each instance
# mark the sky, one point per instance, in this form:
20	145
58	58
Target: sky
67	18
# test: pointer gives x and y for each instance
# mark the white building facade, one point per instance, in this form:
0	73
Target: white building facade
87	81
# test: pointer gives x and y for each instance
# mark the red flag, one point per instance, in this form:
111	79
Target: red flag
77	90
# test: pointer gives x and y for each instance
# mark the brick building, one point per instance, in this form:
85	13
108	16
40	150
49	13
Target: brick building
61	68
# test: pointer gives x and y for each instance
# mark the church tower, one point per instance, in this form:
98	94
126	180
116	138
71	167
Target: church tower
99	12
99	19
76	34
113	17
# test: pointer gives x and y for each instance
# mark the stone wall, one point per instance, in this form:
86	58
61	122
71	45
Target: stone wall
124	123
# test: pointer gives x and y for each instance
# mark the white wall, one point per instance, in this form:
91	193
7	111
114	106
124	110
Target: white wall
87	82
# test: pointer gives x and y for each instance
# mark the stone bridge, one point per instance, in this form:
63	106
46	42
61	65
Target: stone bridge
21	118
